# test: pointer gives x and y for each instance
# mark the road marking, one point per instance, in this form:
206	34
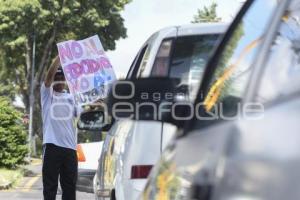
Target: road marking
27	187
35	162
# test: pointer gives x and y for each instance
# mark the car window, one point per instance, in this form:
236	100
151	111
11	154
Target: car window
189	58
131	68
137	62
141	66
229	80
282	73
89	136
162	59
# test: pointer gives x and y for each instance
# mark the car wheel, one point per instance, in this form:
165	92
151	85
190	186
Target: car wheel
113	195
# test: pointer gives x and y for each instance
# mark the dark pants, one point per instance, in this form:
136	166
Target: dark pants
59	162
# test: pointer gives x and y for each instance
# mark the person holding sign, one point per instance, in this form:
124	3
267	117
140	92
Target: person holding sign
59	135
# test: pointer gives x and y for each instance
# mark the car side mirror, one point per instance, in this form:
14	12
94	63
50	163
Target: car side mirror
95	120
148	99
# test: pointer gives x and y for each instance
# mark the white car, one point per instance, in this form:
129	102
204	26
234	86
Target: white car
131	148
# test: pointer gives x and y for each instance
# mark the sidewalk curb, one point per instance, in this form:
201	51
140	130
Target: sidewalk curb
6	186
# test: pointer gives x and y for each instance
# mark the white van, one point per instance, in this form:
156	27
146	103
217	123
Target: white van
131	148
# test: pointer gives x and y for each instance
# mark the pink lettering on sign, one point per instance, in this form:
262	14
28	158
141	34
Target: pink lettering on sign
98	60
77	50
65	52
69	51
85	64
93	67
88	66
73	71
103	62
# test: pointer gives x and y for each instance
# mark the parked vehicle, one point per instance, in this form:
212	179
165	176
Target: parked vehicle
252	155
131	148
88	154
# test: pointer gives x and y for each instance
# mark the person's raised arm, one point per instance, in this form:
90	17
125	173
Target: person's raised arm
51	72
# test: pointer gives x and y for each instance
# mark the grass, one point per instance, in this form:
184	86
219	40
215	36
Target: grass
10	176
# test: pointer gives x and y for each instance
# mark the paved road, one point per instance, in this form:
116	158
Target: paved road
30	188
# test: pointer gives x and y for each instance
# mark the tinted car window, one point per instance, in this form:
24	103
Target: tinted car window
89	136
141	66
282	72
189	58
231	75
137	62
162	59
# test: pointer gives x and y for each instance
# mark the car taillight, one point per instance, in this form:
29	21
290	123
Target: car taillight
80	154
140	171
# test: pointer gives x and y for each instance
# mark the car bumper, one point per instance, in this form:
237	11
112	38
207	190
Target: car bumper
85	180
132	189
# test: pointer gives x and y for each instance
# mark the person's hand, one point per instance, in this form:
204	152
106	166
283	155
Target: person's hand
99	101
51	72
56	61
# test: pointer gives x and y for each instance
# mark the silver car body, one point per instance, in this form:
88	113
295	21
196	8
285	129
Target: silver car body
255	156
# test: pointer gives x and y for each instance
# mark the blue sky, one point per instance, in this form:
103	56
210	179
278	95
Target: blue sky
144	17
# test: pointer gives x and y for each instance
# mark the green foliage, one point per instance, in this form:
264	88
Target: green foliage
48	22
11	176
6	88
207	14
13	148
226	58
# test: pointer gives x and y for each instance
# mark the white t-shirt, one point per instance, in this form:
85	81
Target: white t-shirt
58	113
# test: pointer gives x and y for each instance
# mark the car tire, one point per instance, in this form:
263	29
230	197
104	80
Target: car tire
113	195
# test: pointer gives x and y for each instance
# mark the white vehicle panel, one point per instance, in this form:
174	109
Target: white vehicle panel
92	152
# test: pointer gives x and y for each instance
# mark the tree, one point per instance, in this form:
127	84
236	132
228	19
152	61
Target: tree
6	88
207	14
13	148
46	22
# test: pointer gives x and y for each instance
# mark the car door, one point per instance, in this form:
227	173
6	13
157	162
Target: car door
107	163
264	161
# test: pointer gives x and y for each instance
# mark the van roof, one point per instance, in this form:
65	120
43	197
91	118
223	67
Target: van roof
202	28
194	29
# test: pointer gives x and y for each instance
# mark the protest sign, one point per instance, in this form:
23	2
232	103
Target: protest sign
87	69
